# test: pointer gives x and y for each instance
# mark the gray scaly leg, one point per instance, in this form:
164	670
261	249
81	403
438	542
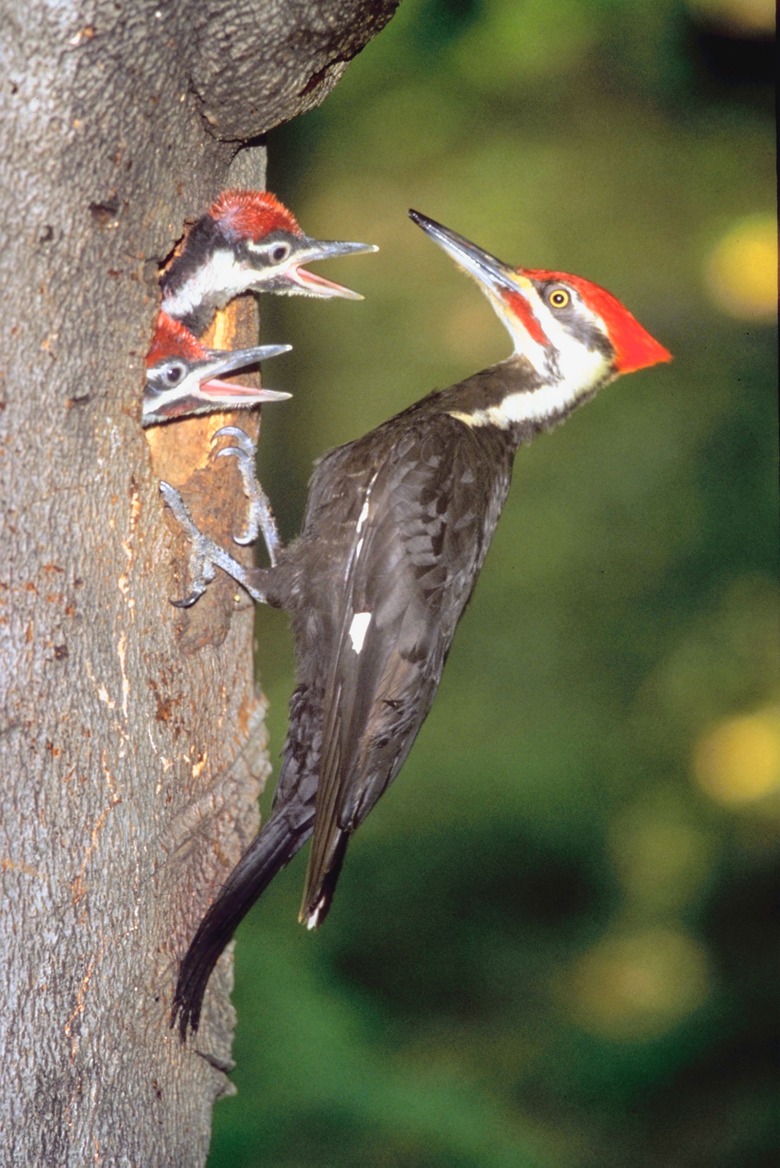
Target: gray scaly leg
206	555
260	518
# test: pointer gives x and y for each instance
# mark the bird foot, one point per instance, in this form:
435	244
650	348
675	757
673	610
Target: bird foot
206	555
202	569
260	519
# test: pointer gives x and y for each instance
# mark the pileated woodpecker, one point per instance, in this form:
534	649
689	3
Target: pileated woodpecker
182	376
396	529
247	242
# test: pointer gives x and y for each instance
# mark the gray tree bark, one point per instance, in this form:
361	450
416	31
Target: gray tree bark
131	734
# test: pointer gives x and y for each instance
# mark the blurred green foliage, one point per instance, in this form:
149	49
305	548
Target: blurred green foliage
551	944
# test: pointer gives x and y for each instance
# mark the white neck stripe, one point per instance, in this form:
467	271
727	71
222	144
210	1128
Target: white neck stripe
214	282
539	405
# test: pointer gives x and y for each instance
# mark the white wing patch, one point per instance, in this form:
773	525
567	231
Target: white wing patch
363	516
358	629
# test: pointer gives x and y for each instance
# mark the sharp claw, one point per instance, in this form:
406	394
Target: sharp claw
243	441
188	600
236	451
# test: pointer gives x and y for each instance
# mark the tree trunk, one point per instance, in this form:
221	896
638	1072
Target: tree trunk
131	735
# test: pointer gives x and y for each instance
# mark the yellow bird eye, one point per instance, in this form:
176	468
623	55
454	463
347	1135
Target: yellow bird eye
559	298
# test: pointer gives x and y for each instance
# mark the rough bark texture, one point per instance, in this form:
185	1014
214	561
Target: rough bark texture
131	734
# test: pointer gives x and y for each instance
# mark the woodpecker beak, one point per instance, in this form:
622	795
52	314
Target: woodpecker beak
511	293
311	250
180	389
492	274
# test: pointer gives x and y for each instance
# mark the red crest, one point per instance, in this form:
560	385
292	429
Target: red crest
252	214
633	345
172	339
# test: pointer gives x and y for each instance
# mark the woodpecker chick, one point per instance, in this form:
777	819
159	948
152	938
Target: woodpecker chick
182	378
396	530
247	242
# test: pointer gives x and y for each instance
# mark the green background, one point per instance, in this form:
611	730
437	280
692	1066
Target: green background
550	946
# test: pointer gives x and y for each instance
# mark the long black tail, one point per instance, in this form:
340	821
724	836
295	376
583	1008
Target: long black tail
275	846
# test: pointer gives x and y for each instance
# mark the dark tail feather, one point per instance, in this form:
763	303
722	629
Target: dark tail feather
274	847
321	885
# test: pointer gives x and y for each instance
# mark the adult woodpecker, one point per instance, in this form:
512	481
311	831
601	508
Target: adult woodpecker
396	529
246	242
182	378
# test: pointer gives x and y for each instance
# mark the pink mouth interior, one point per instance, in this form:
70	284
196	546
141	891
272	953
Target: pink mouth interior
307	279
217	390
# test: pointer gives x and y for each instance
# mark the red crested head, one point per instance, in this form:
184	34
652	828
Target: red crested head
634	347
252	215
247	242
566	326
172	339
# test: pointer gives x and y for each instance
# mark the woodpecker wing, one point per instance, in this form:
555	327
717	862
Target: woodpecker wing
425	521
